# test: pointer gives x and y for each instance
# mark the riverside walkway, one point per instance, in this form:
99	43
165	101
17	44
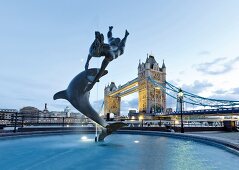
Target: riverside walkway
231	137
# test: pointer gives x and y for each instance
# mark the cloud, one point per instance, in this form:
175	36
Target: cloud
217	66
204	53
126	105
170	102
196	87
230	94
59	106
182	72
134	103
236	91
26	99
220	92
225	96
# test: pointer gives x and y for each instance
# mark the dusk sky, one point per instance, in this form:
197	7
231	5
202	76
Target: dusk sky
44	44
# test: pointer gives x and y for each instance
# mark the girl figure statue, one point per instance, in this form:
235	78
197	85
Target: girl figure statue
110	51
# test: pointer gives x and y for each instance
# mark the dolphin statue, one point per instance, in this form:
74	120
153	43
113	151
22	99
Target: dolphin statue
77	93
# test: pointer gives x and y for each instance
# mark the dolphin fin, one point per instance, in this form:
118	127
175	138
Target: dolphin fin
110	129
60	95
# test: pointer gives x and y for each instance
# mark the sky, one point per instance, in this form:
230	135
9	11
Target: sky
44	44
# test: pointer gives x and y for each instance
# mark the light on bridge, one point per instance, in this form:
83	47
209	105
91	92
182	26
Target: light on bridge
141	117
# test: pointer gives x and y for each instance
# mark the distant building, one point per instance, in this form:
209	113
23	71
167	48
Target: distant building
45	113
7	115
67	111
29	111
30	114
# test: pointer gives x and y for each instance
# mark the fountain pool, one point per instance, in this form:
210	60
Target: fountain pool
119	151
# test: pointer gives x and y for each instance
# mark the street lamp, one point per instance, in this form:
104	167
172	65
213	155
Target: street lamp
141	118
155	104
180	97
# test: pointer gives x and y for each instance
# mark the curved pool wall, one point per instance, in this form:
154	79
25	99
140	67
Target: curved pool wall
125	150
208	140
229	146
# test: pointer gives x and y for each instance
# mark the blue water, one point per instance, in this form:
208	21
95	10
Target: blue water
118	152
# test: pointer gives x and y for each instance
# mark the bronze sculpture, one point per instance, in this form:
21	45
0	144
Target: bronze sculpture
78	91
110	51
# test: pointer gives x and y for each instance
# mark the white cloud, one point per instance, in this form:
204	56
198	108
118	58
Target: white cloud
217	66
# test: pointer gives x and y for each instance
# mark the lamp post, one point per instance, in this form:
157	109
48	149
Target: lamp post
180	97
155	100
155	103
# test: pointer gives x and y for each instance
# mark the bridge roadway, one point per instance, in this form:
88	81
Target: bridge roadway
126	89
214	112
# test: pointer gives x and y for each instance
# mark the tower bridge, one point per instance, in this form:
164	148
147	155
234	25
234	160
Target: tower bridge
151	98
152	88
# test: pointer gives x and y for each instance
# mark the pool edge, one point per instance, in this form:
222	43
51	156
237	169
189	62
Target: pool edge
208	140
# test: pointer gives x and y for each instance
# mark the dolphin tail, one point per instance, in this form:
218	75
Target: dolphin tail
60	95
110	129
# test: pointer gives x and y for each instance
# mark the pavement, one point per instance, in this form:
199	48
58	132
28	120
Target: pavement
231	137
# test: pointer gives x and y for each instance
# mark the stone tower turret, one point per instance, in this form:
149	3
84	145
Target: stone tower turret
151	99
111	103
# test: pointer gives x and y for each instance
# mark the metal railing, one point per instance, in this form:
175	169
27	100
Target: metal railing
173	123
23	121
36	121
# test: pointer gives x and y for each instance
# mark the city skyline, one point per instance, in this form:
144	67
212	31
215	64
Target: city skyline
45	44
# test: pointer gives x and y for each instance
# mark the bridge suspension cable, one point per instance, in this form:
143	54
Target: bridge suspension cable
191	98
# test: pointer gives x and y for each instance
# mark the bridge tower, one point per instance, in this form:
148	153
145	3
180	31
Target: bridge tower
111	103
151	99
